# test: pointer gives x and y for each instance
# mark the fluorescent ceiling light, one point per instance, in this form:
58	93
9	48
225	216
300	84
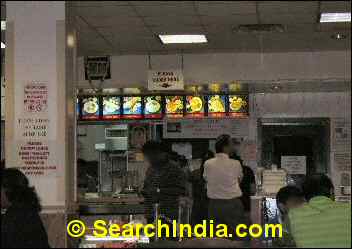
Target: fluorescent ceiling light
3	25
169	39
335	17
3	45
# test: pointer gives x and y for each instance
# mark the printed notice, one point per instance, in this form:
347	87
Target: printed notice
341	135
35	98
34	131
35	159
342	161
294	165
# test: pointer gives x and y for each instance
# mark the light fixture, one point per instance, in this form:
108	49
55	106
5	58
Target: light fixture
3	25
335	17
338	36
182	39
276	88
70	41
3	45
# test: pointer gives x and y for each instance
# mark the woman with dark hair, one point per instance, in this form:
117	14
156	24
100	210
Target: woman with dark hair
21	226
199	192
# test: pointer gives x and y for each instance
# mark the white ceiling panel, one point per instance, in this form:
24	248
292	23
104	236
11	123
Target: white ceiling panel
166	10
231	20
288	6
288	18
106	11
335	6
100	3
227	8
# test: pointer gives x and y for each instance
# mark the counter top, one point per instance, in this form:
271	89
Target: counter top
113	200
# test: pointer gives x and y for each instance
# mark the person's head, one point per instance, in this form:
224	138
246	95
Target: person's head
318	185
289	197
15	190
155	152
224	144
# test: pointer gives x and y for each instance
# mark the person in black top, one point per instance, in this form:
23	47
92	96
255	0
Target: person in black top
247	184
21	225
164	183
199	192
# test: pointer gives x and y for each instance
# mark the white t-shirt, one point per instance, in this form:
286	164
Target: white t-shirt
223	175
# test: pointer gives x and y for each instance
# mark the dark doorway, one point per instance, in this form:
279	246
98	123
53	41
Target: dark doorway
296	137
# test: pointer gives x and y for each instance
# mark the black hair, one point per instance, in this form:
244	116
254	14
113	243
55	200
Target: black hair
221	142
288	192
152	147
317	185
18	191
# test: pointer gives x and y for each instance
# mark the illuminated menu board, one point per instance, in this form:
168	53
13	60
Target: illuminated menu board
238	105
153	107
194	106
174	106
132	107
216	105
90	108
111	107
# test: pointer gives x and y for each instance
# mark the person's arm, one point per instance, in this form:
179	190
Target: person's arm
205	171
253	187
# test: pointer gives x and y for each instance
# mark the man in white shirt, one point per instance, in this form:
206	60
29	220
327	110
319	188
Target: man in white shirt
223	176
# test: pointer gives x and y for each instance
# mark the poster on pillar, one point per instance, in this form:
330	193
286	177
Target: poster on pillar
36	150
159	80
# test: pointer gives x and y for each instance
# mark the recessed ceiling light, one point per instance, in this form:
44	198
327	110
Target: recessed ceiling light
179	39
338	36
3	25
276	88
3	45
335	17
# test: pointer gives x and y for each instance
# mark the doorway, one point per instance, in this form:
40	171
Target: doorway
305	139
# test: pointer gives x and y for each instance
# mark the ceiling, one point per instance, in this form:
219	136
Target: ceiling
131	27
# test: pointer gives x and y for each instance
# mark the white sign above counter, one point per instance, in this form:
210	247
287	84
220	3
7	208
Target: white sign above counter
159	80
206	128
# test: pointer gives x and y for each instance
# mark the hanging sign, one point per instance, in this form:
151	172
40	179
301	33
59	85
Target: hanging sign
159	80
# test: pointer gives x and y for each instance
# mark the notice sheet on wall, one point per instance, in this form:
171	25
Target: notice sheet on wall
294	165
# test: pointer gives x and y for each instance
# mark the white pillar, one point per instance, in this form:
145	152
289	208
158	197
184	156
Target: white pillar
38	108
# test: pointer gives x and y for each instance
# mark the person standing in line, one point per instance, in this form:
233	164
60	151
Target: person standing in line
247	183
21	225
164	182
199	192
223	176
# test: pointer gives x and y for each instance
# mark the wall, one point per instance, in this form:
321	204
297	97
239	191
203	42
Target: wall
131	70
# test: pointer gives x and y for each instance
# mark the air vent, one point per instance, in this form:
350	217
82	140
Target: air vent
260	28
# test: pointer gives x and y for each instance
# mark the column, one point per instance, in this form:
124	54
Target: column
39	137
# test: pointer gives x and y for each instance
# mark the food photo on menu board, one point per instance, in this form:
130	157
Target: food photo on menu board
216	105
174	106
132	107
238	105
195	106
153	107
90	108
111	107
